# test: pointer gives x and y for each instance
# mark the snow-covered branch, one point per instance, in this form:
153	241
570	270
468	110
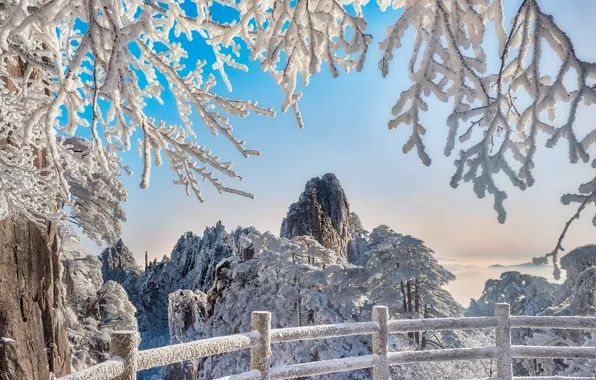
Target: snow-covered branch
499	117
102	64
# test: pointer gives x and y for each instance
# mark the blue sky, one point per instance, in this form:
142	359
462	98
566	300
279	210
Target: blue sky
346	133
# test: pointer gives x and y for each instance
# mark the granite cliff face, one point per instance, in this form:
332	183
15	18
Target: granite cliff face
322	211
31	298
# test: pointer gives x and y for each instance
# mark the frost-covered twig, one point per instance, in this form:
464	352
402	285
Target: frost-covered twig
124	47
111	57
502	128
567	199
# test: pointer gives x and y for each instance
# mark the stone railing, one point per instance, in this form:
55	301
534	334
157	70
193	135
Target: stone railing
127	360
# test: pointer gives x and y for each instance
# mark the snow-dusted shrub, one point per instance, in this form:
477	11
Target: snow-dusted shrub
94	309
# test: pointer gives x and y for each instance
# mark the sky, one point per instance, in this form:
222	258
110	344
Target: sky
346	133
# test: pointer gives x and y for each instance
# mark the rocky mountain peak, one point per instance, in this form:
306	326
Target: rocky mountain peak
118	263
194	258
322	211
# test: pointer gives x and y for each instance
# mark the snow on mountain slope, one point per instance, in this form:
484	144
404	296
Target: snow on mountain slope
301	283
191	266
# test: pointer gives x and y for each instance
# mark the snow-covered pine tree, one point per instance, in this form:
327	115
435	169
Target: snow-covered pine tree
402	268
582	368
576	296
527	295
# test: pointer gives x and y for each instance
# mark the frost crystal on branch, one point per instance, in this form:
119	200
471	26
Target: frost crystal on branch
497	117
67	65
98	64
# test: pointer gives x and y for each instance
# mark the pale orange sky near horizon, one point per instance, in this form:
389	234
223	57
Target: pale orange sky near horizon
454	223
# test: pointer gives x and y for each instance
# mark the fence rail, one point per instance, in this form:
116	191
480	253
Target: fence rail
127	360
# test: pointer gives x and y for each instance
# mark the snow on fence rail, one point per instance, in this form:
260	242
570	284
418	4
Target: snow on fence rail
127	360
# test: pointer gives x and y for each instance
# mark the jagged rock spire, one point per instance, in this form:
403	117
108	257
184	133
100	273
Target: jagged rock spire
322	212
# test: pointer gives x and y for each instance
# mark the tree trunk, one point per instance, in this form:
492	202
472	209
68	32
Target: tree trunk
416	296
423	345
405	298
31	302
409	284
299	304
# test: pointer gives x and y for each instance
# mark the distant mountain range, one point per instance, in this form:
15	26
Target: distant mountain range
523	265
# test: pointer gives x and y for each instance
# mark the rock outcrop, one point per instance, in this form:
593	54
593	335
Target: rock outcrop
322	212
93	308
195	258
119	264
186	312
358	246
192	265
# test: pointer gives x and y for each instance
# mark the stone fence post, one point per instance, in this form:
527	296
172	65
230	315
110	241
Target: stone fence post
124	344
503	340
260	354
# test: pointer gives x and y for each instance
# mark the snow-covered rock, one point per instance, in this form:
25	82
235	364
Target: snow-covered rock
119	264
526	294
322	212
186	313
94	308
194	258
358	246
191	265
